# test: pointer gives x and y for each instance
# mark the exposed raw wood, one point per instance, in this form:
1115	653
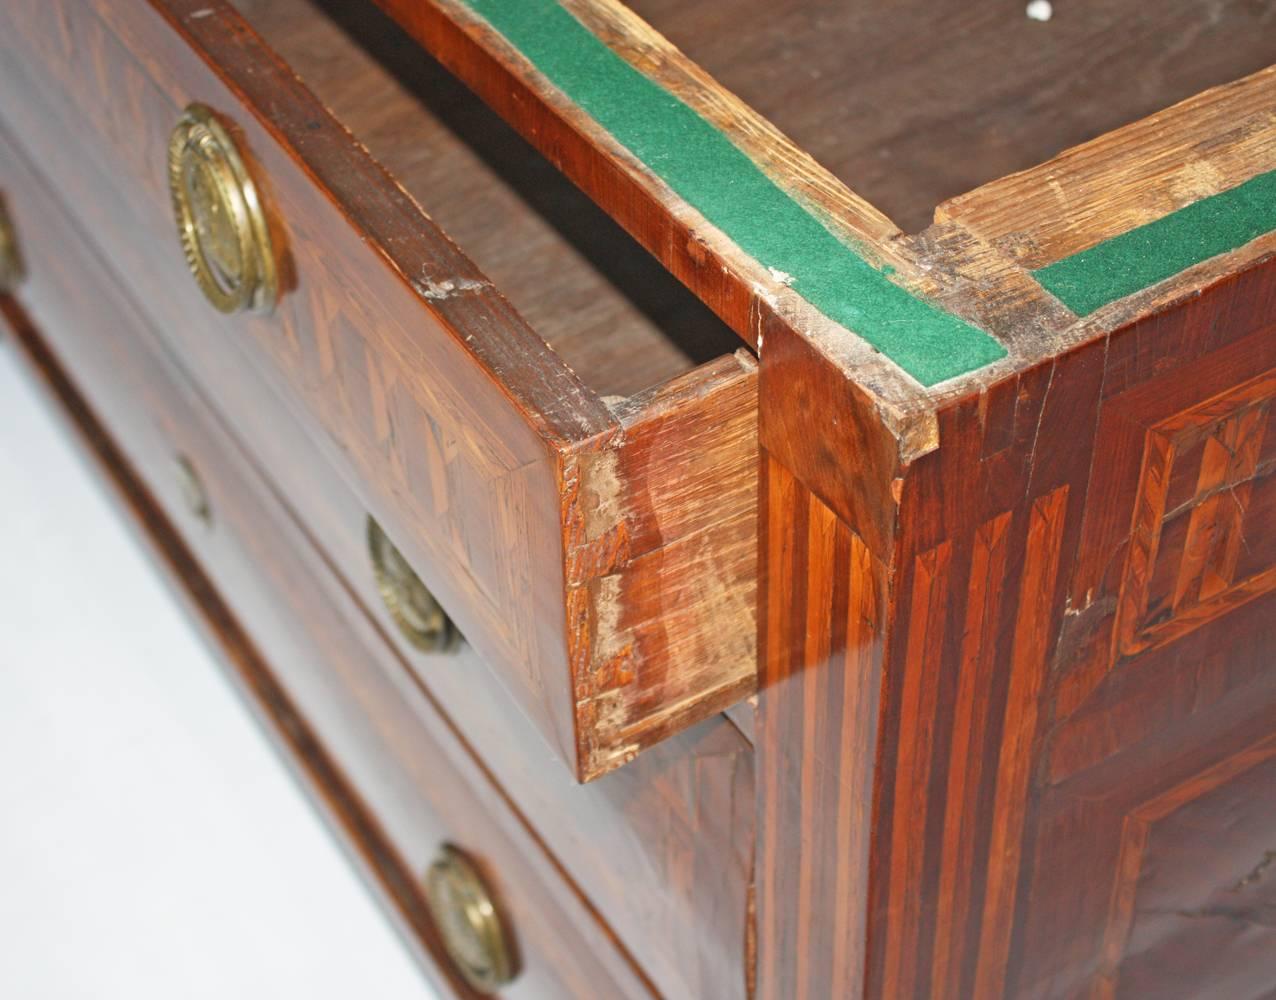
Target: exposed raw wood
992	237
663	552
787	164
1010	635
1134	175
741	291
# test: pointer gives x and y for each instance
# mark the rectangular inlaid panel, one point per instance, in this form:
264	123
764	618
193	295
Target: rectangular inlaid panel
1202	493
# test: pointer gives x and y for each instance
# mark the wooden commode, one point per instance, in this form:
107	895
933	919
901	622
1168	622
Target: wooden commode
718	500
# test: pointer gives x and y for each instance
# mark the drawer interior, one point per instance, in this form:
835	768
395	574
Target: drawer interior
910	103
614	315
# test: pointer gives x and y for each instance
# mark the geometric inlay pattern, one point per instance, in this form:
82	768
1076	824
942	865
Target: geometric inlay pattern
1203	532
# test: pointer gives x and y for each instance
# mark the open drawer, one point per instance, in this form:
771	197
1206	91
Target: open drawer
557	436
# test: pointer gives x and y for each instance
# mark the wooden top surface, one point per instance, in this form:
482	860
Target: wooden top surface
912	102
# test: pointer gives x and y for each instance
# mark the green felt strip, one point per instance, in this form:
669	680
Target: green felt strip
710	173
1135	260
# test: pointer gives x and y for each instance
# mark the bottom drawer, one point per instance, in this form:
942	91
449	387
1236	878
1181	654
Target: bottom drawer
384	764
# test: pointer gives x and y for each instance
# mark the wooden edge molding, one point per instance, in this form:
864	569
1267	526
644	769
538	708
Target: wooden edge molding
1127	178
797	388
786	163
1147	255
1116	229
1135	212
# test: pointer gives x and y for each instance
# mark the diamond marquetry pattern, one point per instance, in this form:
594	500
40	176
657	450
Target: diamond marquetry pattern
1202	539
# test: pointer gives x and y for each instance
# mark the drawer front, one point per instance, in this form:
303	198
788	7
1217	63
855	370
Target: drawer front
663	847
387	766
557	536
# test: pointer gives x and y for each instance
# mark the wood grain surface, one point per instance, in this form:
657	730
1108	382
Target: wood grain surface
1205	145
910	104
1059	691
681	814
386	766
742	291
457	426
726	279
1014	729
611	312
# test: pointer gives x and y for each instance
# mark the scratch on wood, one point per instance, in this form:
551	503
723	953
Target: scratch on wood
1257	873
438	291
1036	434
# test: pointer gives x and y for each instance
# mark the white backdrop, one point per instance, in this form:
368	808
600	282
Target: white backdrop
152	845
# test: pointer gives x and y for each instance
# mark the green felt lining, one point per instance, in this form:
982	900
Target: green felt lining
714	176
1140	258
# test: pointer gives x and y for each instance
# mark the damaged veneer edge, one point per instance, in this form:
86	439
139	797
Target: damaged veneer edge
643	521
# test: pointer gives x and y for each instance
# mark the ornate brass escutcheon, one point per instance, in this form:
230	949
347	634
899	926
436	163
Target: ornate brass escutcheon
420	618
468	922
219	216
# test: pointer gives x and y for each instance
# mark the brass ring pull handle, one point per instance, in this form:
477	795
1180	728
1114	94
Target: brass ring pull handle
468	922
219	216
11	270
418	615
